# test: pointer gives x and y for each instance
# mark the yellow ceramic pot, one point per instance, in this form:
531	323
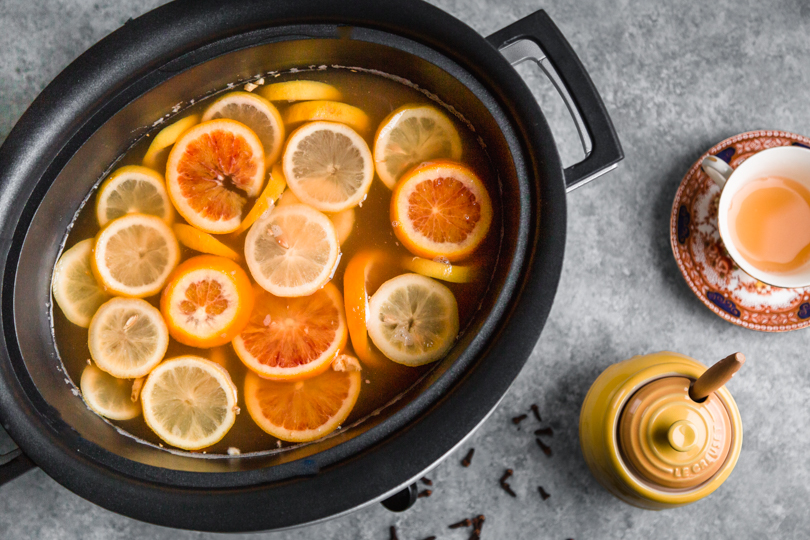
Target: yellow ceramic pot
652	446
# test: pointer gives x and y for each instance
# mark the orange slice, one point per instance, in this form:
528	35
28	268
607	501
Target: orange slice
328	166
305	410
134	255
256	113
292	251
440	270
300	91
207	302
211	169
272	191
330	111
203	242
167	137
441	209
293	338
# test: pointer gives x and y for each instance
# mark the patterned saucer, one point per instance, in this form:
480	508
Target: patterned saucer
711	274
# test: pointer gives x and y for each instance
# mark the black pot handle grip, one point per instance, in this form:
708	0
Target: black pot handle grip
536	38
14	464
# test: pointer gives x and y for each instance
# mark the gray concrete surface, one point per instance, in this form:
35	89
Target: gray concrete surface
677	77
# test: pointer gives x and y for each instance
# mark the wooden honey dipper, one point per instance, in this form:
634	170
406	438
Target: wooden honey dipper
716	376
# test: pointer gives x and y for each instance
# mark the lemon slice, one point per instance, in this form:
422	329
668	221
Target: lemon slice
410	135
328	166
331	111
256	113
413	319
127	337
134	255
108	396
292	251
189	402
167	137
444	271
343	221
75	289
203	242
300	91
133	189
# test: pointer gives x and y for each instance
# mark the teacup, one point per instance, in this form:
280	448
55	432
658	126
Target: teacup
791	163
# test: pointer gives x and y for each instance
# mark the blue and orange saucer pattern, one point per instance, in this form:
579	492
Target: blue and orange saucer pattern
702	258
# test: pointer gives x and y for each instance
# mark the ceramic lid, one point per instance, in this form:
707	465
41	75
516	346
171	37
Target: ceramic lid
670	440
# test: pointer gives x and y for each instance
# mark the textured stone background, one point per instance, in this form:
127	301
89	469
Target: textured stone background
677	77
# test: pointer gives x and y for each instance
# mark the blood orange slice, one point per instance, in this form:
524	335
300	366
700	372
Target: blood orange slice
441	209
293	338
207	302
211	170
302	411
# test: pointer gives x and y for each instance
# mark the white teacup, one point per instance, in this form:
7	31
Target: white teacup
790	162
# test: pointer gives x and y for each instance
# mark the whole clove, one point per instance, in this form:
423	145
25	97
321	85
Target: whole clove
468	458
424	493
536	411
430	538
543	493
427	481
505	485
546	431
544	447
518	419
393	533
463	523
478	522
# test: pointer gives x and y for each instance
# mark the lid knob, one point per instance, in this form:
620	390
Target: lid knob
682	435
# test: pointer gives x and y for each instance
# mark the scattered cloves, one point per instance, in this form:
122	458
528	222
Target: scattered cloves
544	447
430	538
468	458
546	431
427	481
424	493
543	493
536	412
463	523
393	533
518	419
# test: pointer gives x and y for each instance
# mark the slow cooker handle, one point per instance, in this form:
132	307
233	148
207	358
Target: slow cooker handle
13	464
536	38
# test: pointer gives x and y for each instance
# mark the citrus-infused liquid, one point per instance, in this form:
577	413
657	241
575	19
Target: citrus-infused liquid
381	384
769	220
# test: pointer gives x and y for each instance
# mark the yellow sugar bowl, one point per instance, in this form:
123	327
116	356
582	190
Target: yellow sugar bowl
660	430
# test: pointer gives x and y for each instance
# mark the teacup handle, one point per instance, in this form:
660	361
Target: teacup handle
717	169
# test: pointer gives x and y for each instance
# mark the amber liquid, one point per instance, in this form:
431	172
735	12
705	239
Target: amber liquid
377	96
769	220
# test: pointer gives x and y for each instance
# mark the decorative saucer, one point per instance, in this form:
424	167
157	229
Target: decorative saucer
709	271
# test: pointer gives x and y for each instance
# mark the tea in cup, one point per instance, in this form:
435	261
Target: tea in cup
764	214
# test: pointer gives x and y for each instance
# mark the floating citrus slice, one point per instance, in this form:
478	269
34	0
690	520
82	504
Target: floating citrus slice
167	137
293	338
272	191
441	209
189	402
411	135
210	169
355	293
108	395
292	251
203	242
329	111
304	410
256	113
134	255
453	273
413	319
75	288
343	221
207	302
133	189
300	91
328	166
127	337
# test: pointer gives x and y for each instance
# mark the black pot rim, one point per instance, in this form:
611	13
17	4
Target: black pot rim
445	422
